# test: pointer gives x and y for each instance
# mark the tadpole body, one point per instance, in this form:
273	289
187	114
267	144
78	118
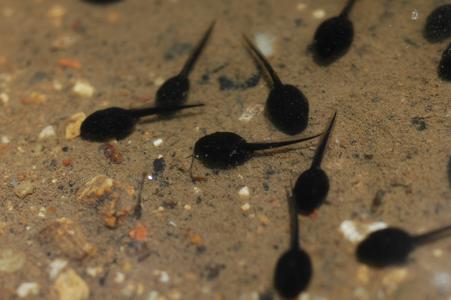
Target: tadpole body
286	106
438	24
444	67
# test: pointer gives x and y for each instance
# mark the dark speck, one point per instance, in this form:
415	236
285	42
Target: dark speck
212	271
158	166
419	123
377	201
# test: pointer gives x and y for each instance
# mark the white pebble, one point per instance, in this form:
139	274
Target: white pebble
356	232
27	288
159	81
414	15
5	139
157	142
164	277
319	13
56	266
250	112
264	42
4	97
94	271
83	88
47	132
244	191
442	281
245	207
119	278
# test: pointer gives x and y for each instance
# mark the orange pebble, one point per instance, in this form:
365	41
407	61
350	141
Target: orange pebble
69	63
139	233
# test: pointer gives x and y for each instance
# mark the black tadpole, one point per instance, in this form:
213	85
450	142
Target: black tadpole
438	24
392	246
225	150
286	106
444	67
312	186
174	90
294	268
118	123
334	37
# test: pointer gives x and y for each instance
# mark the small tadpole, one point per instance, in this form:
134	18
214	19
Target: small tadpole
444	67
294	268
286	106
174	90
392	246
118	123
312	186
225	150
438	24
137	212
334	37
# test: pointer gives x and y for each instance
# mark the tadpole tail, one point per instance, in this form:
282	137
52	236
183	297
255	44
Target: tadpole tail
137	212
347	9
294	222
274	77
319	153
187	68
142	112
433	236
263	146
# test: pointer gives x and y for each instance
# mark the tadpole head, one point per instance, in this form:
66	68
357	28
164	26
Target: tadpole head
332	39
310	190
438	24
293	273
102	125
287	108
221	150
173	92
386	247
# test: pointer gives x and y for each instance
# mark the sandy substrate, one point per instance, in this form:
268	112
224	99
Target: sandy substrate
218	238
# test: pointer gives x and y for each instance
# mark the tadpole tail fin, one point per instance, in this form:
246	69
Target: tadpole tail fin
319	153
137	212
142	112
263	146
347	9
274	77
192	59
433	236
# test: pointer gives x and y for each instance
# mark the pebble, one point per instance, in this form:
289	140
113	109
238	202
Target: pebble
24	189
11	260
56	266
119	278
4	98
83	89
157	142
27	288
70	286
319	13
264	42
355	231
5	139
245	207
74	124
47	132
113	200
164	277
244	191
34	98
301	6
94	271
250	112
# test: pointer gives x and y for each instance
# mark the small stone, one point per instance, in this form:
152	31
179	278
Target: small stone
119	278
112	153
57	11
245	207
244	191
83	88
64	42
5	139
27	288
70	286
301	6
11	260
264	42
355	231
319	13
4	98
24	189
114	201
65	237
164	277
157	142
47	132
56	266
94	271
74	124
34	98
250	112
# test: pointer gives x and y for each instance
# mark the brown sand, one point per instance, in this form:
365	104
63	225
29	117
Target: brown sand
387	159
